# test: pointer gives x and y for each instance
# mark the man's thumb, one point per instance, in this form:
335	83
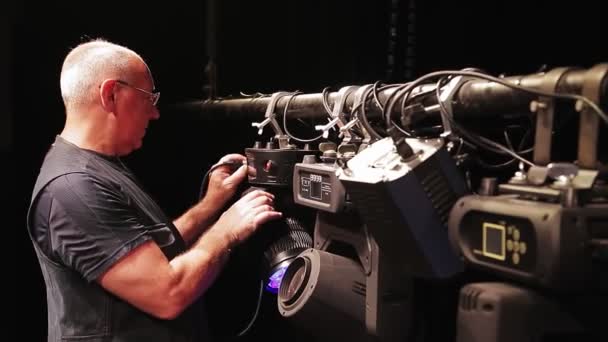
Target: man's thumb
237	176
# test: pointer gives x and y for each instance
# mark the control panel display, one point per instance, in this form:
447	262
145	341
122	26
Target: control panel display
500	239
536	242
317	186
494	244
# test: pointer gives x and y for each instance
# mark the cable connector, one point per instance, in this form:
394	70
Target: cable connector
403	148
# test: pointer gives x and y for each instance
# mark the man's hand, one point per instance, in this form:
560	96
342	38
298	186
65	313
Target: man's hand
223	182
221	185
245	216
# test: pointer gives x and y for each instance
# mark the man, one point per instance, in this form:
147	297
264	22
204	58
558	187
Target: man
115	267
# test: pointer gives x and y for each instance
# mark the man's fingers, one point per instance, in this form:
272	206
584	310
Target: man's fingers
257	201
262	208
256	193
266	216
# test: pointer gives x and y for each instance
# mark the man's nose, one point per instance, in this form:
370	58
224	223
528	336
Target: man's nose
154	113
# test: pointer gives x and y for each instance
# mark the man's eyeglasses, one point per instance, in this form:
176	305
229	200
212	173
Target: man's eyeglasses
153	96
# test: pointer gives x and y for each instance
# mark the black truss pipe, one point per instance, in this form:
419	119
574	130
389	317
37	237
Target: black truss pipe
475	98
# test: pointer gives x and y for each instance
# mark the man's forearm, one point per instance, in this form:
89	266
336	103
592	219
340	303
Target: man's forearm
197	219
195	271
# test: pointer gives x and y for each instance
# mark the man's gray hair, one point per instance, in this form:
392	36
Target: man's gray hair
87	66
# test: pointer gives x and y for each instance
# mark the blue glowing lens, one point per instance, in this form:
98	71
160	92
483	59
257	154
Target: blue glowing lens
274	281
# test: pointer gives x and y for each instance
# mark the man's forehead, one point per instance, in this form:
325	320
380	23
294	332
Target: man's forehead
144	74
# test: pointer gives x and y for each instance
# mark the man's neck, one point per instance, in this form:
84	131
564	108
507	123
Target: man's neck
89	137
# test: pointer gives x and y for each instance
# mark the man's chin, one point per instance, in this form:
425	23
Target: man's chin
128	150
137	146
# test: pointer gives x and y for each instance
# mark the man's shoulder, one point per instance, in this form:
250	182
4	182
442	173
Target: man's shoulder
66	169
65	158
62	157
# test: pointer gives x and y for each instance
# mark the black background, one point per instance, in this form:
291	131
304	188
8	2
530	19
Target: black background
261	46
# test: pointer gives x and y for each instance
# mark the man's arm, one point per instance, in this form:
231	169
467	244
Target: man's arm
197	219
162	288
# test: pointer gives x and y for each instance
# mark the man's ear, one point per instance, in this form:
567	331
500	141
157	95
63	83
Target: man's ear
107	95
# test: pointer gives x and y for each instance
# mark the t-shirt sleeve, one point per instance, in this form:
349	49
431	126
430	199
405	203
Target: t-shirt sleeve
92	225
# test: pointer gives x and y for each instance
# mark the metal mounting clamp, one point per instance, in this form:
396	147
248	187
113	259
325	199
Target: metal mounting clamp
270	118
337	114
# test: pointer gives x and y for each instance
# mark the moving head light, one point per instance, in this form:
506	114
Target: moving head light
355	275
537	235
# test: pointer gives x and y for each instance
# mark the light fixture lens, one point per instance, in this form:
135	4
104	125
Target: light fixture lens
274	281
